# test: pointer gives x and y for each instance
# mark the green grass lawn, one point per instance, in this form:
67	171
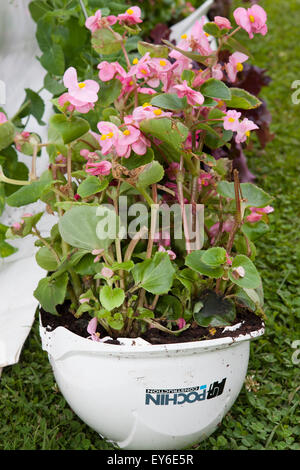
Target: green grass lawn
34	415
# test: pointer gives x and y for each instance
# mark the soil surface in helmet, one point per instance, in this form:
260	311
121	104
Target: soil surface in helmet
249	323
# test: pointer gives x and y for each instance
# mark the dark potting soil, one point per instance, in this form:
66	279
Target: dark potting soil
251	322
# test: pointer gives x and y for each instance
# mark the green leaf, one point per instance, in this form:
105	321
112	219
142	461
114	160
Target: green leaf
256	230
214	88
135	160
53	85
242	99
115	321
152	173
194	261
155	50
125	266
35	106
63	130
212	29
252	195
111	298
171	134
53	60
170	307
2	198
110	91
31	192
251	278
7	134
104	42
237	46
6	249
88	228
46	259
215	312
51	293
169	101
155	275
202	59
214	256
91	185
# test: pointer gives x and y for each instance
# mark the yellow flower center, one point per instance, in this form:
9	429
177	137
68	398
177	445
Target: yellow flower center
135	61
131	83
126	132
146	104
206	34
231	119
110	135
81	85
143	71
129	11
157	112
239	67
212	331
162	63
247	133
103	137
184	36
220	104
251	18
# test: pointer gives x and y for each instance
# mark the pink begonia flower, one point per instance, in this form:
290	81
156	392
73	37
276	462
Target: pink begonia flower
28	214
98	254
222	22
108	70
147	111
131	16
238	272
182	62
126	139
235	65
66	98
97	22
80	93
257	213
21	139
214	229
92	329
243	130
163	238
107	272
204	180
146	91
198	39
84	300
171	253
253	20
216	72
181	323
228	259
193	97
231	120
98	168
17	226
3	118
109	137
77	197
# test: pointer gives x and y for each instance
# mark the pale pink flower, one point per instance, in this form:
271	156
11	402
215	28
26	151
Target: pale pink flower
80	93
171	253
228	259
193	97
146	91
109	137
97	22
16	226
235	65
231	120
257	213
3	118
216	72
107	272
163	238
198	39
131	16
92	329
214	229
84	300
108	70
98	254
98	168
243	130
253	20
147	111
222	22
181	323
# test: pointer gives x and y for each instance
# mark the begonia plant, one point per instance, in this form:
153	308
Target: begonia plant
151	230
